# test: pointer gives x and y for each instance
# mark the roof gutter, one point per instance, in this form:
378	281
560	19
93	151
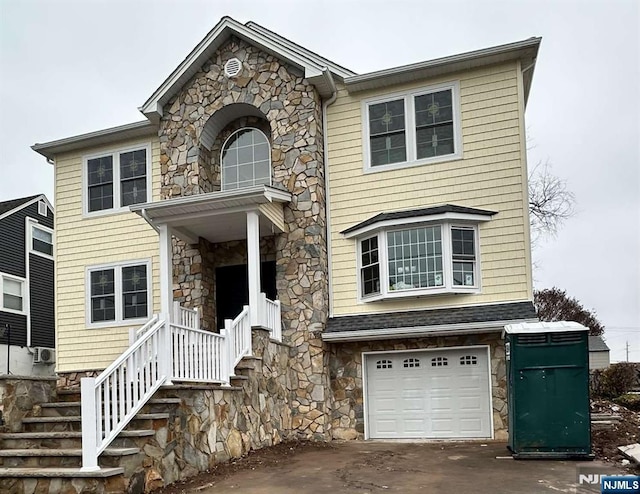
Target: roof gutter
415	332
327	193
145	216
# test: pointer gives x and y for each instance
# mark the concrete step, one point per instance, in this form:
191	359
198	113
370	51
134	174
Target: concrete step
248	363
65	452
58	472
77	418
74	422
67	434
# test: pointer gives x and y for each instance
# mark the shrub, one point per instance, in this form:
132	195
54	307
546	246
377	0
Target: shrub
613	381
632	402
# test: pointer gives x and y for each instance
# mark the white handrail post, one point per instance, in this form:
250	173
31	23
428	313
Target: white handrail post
132	336
176	313
89	424
165	351
227	353
246	337
262	311
278	322
197	316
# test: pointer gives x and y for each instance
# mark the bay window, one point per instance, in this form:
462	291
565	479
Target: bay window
417	260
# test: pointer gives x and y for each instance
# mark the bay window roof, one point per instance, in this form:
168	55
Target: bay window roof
442	212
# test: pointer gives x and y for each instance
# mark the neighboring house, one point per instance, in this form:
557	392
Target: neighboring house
386	212
26	279
598	353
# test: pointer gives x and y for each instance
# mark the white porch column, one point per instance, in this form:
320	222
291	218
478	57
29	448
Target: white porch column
166	270
253	264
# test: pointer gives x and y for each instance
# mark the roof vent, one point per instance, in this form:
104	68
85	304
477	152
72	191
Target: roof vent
232	67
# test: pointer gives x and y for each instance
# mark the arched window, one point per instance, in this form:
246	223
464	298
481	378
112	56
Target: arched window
246	160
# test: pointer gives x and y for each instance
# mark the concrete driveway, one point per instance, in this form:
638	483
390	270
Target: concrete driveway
373	467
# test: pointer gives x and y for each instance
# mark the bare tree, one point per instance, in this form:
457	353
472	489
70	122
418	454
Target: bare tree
550	201
553	304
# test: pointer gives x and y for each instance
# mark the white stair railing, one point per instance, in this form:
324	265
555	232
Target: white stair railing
198	355
184	316
237	333
270	316
111	400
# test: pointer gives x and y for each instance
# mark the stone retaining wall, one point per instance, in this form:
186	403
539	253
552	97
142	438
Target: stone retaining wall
345	363
213	424
20	395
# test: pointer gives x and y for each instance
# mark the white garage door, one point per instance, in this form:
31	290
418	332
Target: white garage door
434	394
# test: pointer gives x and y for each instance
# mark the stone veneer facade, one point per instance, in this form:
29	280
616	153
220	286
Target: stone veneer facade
345	363
291	112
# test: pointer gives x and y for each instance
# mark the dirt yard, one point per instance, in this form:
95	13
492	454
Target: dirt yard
370	466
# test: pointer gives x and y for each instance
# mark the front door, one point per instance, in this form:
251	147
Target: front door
232	289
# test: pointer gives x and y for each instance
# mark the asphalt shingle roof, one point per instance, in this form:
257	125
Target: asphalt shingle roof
597	344
14	203
414	213
437	317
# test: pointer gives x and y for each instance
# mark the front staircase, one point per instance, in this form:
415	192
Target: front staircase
91	439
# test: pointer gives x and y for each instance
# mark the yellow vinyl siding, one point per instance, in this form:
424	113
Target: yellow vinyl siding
490	175
83	242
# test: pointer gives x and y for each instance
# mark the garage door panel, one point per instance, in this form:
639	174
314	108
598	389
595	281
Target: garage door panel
429	394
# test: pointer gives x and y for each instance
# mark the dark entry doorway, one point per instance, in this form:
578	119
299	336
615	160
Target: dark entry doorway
232	289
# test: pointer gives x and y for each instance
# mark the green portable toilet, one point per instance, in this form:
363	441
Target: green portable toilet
548	390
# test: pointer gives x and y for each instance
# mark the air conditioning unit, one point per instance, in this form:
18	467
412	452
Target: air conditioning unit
43	355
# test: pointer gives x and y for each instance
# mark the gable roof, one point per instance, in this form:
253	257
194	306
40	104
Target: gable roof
597	344
442	212
317	70
11	206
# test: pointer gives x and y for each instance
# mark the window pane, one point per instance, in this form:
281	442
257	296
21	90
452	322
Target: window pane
463	243
370	271
103	309
415	260
134	191
12	294
100	170
102	282
44	247
133	164
387	133
463	274
134	291
434	124
43	235
100	197
250	149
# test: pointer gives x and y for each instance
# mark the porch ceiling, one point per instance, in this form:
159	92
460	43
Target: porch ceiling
218	216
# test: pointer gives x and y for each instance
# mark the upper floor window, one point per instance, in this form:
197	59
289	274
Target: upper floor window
412	128
431	258
12	291
246	160
118	293
41	240
117	179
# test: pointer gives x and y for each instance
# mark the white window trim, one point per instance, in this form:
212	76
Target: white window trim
25	293
224	145
117	267
115	153
410	132
447	263
31	224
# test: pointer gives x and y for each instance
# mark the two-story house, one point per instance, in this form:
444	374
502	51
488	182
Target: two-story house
27	323
380	219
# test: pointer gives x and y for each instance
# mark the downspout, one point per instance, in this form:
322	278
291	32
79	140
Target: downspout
325	149
143	213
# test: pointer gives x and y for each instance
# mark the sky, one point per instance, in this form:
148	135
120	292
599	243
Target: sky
73	66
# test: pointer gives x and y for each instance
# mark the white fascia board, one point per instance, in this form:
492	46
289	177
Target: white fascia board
208	45
252	196
41	197
99	137
417	332
476	218
338	70
520	49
